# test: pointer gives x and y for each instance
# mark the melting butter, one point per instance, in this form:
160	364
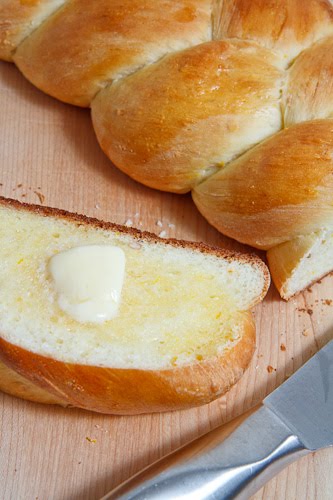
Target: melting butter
88	281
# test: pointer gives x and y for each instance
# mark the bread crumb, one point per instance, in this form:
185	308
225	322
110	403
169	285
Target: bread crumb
41	197
328	302
135	245
19	185
283	347
302	309
305	333
90	440
174	361
163	234
136	214
171	226
129	223
270	369
97	206
159	223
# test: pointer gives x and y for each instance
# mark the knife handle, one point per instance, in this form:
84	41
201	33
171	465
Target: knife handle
233	461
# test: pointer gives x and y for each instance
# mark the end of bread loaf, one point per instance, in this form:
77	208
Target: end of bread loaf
278	197
298	263
182	336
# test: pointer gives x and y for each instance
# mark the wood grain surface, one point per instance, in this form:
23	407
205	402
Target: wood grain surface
49	155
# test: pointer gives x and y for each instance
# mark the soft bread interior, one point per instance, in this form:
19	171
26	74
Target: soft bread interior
179	304
298	263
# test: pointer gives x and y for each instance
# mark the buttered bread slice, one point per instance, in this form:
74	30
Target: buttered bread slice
114	320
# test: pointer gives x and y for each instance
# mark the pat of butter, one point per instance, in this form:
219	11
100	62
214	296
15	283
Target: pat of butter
88	281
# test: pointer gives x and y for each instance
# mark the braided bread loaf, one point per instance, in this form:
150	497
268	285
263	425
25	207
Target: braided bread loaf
193	95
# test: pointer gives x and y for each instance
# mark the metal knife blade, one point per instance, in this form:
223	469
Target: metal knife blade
294	419
305	401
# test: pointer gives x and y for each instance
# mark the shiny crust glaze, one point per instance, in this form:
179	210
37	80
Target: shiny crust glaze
121	391
88	44
288	26
18	18
278	190
179	102
309	92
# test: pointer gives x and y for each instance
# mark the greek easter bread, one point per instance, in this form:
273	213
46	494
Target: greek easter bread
183	93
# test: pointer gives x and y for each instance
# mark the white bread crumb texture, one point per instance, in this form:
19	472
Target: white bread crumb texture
178	305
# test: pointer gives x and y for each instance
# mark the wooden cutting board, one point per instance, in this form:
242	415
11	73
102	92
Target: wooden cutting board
49	155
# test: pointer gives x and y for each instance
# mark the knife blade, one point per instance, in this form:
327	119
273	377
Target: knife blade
236	460
305	401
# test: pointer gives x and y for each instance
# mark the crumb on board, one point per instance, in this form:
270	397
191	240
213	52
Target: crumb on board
159	223
283	347
91	440
328	302
305	332
163	234
128	223
41	197
97	206
303	309
270	369
171	226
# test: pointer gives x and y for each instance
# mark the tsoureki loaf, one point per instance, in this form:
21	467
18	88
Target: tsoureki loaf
113	320
192	95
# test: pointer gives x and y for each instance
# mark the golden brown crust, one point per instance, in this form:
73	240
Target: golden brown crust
88	44
14	384
121	391
278	190
18	18
78	219
289	26
309	92
174	123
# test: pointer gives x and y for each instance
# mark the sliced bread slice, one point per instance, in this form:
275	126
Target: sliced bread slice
175	330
